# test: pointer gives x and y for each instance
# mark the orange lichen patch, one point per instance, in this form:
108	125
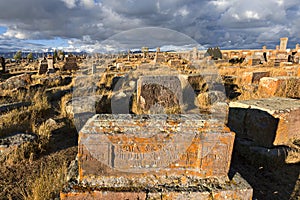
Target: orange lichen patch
99	195
298	72
135	144
268	87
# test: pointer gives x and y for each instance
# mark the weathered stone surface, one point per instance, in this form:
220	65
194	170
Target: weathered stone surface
162	91
70	63
237	188
16	82
249	78
84	104
283	86
107	195
268	122
43	66
140	148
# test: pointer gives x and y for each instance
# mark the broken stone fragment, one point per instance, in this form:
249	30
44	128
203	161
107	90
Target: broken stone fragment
267	122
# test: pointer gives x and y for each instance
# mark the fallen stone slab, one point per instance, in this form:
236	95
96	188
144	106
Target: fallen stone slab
267	122
12	106
235	189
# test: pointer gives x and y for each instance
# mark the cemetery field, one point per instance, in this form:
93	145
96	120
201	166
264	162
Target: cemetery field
42	112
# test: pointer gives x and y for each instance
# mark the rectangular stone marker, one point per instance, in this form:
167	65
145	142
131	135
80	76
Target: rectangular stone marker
146	148
43	67
253	77
267	122
282	86
70	63
283	43
50	63
164	91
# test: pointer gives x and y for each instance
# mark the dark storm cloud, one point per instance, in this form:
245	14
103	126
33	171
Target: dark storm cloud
227	23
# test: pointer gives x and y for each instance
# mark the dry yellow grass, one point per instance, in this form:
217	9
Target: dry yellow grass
48	184
63	103
15	121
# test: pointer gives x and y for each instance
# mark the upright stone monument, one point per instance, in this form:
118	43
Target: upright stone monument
283	44
50	64
163	91
2	63
70	63
43	66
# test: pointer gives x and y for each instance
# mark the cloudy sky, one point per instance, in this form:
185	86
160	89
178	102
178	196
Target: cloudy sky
80	24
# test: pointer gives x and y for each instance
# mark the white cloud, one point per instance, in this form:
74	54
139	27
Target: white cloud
251	14
211	23
70	3
88	3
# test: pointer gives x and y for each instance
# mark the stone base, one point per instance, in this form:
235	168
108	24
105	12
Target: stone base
237	188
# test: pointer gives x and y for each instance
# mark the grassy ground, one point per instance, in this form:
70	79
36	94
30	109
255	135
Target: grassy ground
43	175
37	171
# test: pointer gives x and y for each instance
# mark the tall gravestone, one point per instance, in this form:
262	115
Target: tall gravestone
43	66
283	44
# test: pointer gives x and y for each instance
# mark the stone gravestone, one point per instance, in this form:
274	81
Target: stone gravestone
268	127
158	92
157	156
2	63
283	44
43	67
150	156
70	63
50	64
